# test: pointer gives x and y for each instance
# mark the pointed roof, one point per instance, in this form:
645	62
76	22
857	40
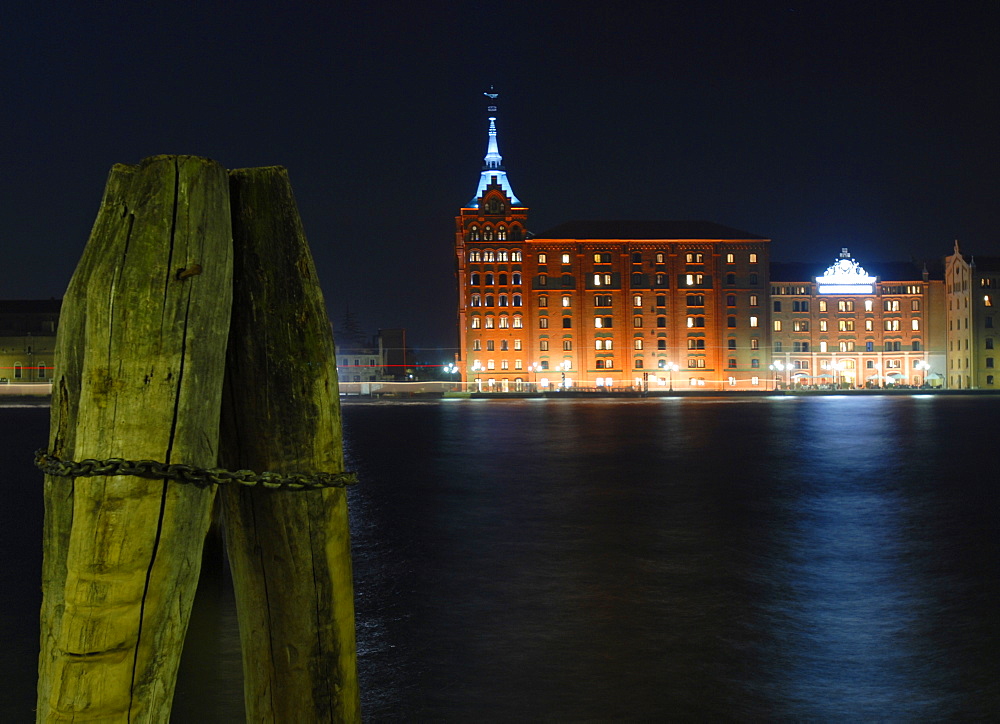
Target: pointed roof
493	161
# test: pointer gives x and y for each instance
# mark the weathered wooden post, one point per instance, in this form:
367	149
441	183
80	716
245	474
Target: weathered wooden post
139	367
289	551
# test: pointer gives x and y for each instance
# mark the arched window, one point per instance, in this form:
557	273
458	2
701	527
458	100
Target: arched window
502	255
475	256
474	233
501	233
502	279
516	300
661	344
730	278
489	300
518	324
475	301
489	279
18	371
503	300
515	278
487	233
474	279
638	343
661	322
515	255
515	235
659	257
476	322
730	300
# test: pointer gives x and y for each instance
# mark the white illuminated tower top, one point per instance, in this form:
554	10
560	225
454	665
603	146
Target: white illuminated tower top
845	276
493	161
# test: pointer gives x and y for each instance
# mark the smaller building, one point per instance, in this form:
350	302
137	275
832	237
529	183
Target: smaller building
27	339
849	328
971	288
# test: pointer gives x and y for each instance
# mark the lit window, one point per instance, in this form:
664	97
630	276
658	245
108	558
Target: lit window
800	325
637	343
565	258
543	301
476	322
489	323
517	364
637	300
542	258
754	343
695	321
475	301
504	321
490	364
636	321
565	301
892	325
567	345
823	325
517	343
543	280
915	325
777	325
753	258
518	322
845	305
846	325
694	279
659	257
730	258
543	345
822	305
515	255
753	321
543	322
987	301
753	300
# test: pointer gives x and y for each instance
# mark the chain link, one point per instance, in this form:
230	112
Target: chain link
201	477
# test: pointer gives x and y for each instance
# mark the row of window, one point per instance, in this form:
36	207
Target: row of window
477	300
487	233
497	255
844	325
501	322
608	363
605	300
489	279
886	289
659	257
603	279
849	346
847	305
40	370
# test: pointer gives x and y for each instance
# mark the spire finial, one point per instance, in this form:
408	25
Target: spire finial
493	170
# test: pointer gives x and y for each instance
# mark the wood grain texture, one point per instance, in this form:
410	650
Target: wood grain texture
289	551
139	368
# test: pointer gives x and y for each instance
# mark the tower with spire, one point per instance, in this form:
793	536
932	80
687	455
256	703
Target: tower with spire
489	235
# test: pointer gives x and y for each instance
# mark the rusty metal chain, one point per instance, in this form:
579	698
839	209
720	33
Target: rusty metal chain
201	477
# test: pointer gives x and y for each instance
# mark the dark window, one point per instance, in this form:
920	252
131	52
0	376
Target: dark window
777	306
567	322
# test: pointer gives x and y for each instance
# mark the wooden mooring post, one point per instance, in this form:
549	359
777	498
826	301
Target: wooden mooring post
141	365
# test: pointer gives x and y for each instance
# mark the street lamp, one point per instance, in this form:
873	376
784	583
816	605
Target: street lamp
925	369
671	368
450	368
838	368
534	368
565	365
777	368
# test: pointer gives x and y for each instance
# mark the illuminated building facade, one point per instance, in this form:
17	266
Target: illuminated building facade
660	305
604	304
848	328
972	286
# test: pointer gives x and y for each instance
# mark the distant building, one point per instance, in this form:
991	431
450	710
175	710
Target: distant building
689	304
604	304
972	286
852	327
27	339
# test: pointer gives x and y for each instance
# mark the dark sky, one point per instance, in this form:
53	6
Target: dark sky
819	125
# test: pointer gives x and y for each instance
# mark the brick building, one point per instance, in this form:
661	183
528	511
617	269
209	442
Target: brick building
972	286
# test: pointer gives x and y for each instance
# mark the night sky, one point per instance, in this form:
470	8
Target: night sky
873	126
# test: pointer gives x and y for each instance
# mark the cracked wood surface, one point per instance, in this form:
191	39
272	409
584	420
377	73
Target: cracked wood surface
139	366
289	551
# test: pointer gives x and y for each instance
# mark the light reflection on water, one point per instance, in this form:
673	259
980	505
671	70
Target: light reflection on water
821	559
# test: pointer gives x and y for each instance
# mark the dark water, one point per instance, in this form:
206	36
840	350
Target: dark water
820	559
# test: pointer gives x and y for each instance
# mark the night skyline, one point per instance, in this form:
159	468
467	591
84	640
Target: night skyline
818	127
